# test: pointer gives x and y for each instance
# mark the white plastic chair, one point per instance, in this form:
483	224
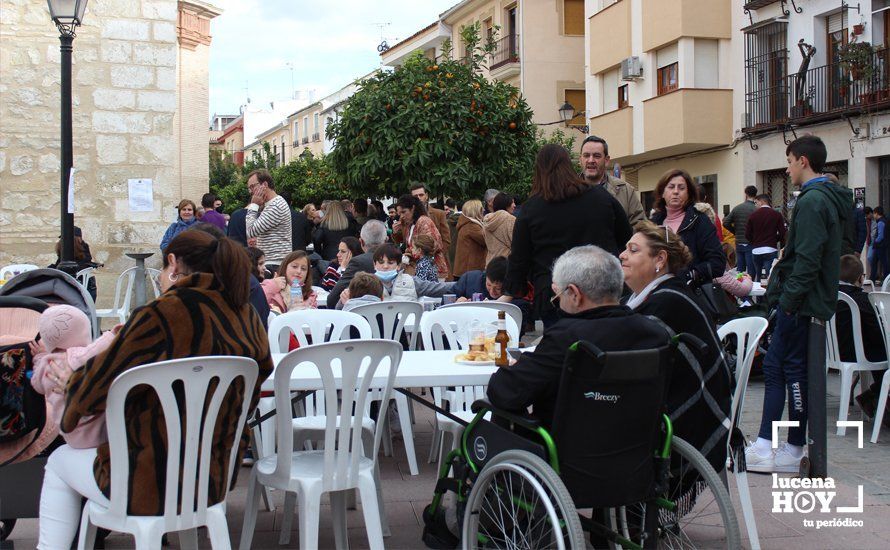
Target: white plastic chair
868	285
881	302
885	286
438	328
84	275
12	270
847	369
323	325
154	280
391	317
123	296
345	463
512	310
748	332
182	510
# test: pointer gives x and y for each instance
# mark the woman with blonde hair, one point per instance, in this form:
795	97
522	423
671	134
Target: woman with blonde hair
471	251
698	396
333	227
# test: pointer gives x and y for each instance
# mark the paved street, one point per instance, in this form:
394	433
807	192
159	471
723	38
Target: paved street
406	497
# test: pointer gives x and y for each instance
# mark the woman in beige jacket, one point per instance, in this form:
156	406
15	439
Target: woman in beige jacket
498	227
470	252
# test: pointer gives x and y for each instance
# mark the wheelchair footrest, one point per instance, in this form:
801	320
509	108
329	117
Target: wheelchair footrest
436	534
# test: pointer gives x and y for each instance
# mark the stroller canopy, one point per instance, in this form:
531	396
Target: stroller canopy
53	287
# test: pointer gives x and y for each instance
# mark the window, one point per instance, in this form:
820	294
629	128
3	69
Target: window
283	161
668	80
623	96
579	102
766	62
488	29
305	129
296	131
317	129
573	17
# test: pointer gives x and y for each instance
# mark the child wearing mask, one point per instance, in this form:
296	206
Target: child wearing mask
398	285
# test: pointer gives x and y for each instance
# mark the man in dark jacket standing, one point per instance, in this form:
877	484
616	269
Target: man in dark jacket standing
589	282
804	288
737	221
237	228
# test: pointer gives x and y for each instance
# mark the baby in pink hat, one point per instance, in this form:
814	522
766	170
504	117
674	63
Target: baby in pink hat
66	334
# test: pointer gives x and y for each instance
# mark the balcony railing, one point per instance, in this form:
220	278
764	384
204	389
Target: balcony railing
316	136
305	140
507	51
822	92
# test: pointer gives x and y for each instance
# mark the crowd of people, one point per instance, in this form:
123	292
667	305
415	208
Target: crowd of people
579	254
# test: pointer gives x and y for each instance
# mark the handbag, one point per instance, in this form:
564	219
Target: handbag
721	305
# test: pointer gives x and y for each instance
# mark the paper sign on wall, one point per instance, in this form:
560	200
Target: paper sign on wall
140	195
71	191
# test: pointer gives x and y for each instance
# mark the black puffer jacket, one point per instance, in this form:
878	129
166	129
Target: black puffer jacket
700	235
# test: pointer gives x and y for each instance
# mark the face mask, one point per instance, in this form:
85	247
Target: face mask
386	276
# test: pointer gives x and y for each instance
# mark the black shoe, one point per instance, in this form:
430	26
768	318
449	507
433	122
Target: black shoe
868	402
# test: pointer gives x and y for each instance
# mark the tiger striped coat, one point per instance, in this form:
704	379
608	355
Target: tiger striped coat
192	319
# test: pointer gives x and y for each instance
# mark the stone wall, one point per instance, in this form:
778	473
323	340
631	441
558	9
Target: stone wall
128	86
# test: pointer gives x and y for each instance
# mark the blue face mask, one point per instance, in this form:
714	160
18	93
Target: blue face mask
386	276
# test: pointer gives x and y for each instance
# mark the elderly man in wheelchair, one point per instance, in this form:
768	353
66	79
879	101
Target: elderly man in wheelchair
597	453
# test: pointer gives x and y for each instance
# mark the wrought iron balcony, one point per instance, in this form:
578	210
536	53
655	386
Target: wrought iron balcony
316	136
507	51
305	140
821	93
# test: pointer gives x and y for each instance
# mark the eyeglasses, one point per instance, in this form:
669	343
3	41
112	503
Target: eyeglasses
558	294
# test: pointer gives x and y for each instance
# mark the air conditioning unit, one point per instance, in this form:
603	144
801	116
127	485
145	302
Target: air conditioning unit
631	68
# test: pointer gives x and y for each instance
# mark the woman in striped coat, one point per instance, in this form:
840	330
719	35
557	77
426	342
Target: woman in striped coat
204	311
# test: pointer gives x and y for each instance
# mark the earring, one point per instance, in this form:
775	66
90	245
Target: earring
657	269
173	277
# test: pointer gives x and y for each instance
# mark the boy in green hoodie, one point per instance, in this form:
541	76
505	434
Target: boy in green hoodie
803	285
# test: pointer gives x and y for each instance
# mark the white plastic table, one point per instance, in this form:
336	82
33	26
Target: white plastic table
418	369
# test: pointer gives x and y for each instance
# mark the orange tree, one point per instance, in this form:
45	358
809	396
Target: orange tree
439	122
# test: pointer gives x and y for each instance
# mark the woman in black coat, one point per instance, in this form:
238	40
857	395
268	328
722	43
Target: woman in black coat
561	213
675	198
651	260
333	227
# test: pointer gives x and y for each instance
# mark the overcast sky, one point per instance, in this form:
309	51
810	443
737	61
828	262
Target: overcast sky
329	43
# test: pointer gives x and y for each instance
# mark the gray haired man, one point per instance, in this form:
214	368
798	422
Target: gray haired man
588	282
373	234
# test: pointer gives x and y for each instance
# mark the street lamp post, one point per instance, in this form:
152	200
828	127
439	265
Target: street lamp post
67	15
567	113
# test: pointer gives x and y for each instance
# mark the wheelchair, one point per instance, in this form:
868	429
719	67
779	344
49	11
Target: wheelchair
619	475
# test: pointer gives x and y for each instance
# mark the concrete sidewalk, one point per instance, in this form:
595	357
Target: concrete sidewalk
406	496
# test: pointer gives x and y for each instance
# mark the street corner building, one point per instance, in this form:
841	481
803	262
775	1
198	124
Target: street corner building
140	110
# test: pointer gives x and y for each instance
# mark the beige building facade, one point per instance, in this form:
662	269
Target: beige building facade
140	104
660	89
540	48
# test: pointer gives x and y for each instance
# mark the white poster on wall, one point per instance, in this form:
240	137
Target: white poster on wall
140	195
71	191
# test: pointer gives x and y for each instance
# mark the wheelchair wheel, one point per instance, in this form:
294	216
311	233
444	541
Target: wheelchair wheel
518	501
703	516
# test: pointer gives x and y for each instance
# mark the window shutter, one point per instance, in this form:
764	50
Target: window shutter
837	21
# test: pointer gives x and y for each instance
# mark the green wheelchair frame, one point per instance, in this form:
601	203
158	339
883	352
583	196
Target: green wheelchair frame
673	494
466	470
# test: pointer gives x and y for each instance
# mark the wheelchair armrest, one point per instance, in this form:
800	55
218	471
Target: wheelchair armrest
527	422
693	342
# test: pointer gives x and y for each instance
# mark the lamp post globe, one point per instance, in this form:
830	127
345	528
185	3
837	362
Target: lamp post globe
566	112
67	16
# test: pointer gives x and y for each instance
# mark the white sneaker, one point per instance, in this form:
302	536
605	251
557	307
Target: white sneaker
756	463
784	462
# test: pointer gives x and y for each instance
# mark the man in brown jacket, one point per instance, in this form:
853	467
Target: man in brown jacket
594	159
438	216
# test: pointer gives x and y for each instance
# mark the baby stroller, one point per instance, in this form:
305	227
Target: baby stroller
22	461
53	287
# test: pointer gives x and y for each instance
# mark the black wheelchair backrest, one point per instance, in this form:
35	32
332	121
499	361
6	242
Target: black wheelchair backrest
606	423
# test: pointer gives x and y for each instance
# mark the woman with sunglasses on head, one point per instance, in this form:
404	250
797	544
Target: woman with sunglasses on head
651	262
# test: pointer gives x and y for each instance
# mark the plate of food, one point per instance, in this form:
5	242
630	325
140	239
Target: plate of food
479	358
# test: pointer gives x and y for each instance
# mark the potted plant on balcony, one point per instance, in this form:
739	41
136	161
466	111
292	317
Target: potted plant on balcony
857	58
